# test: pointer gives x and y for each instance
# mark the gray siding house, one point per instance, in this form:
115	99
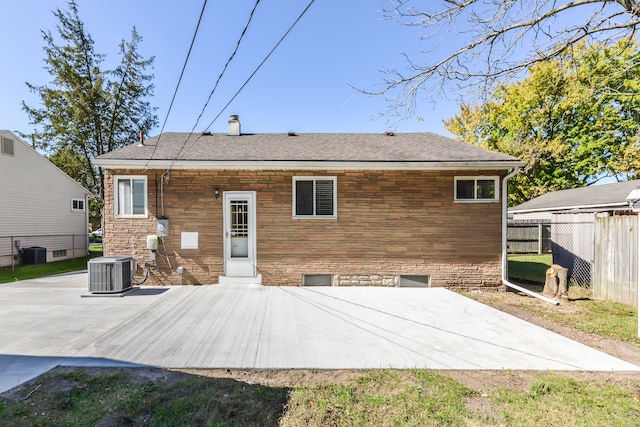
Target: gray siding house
40	205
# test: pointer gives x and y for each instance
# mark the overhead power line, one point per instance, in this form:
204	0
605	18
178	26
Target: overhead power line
184	66
261	63
224	69
304	11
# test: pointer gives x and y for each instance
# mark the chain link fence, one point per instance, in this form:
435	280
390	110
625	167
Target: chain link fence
567	237
572	246
55	247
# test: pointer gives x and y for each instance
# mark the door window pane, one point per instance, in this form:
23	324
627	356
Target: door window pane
239	213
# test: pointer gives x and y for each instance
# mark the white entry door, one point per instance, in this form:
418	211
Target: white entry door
240	233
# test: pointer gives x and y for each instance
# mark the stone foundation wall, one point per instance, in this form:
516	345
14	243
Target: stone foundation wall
365	280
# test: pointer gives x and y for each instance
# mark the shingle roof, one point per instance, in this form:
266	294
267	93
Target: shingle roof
581	198
312	147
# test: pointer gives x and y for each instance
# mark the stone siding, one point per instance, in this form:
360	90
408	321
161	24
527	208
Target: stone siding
389	223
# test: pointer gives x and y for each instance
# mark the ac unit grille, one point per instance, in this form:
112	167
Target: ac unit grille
110	274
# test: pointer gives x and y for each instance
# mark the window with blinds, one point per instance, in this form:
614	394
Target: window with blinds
314	197
474	189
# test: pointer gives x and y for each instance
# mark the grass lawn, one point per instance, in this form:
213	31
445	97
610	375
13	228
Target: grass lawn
609	319
529	268
386	397
26	271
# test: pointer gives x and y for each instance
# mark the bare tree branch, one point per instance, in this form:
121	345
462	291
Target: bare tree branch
478	43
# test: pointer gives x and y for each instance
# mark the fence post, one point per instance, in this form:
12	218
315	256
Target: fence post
539	238
73	245
638	278
13	258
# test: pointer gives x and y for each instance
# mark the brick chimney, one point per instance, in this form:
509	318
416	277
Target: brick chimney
234	125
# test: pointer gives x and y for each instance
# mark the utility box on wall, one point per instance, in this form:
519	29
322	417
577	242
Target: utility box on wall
162	227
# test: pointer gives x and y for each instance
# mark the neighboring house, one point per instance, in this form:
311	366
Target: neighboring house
606	198
308	209
571	218
40	206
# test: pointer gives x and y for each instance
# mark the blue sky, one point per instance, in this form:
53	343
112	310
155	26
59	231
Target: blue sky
303	87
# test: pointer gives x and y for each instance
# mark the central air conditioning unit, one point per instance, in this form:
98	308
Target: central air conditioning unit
111	274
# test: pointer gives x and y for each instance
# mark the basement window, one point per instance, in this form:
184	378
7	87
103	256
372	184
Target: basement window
411	281
476	189
60	253
315	197
317	280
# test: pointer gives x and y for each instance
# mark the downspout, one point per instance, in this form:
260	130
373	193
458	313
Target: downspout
505	261
86	225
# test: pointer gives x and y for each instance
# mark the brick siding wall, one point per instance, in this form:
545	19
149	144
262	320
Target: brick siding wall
389	223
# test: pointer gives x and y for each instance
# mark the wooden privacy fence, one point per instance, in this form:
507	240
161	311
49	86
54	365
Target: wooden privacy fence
615	275
528	236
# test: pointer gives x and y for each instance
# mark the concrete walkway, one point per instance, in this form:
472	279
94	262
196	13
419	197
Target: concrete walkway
52	321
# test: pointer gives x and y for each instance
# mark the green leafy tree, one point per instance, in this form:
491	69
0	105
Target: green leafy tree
87	110
574	120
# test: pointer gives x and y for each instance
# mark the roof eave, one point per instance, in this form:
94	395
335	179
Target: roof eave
571	207
304	165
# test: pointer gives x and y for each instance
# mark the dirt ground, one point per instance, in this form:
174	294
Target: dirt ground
479	380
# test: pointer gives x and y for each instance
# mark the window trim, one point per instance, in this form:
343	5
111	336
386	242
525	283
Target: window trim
74	209
334	179
496	181
116	206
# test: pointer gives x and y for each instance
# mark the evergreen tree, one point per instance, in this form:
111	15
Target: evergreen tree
87	110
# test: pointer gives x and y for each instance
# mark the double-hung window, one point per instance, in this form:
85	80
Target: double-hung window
315	197
130	198
476	189
77	205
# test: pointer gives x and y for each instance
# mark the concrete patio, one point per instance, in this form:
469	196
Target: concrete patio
54	321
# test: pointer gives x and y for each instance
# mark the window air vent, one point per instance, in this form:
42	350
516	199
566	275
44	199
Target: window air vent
6	146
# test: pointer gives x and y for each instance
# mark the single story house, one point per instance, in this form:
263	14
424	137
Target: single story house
42	209
307	209
605	198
